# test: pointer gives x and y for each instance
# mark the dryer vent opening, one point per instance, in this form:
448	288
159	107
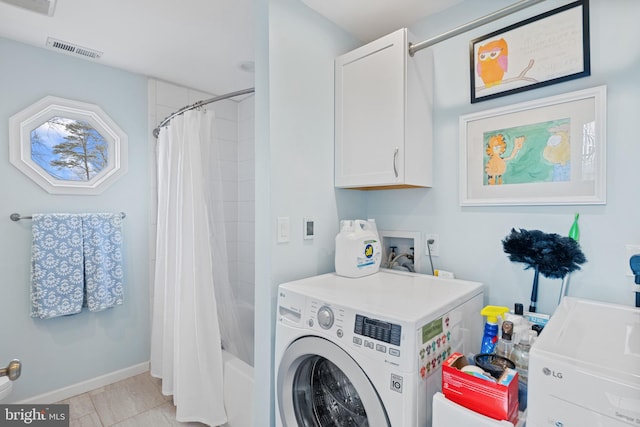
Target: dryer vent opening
72	49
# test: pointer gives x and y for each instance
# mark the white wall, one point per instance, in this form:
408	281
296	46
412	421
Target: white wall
245	260
64	351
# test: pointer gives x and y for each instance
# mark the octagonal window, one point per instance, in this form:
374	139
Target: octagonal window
67	147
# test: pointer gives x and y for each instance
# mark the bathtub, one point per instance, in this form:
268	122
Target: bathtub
246	313
238	373
238	391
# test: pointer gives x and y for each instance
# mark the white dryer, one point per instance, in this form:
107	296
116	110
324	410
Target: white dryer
368	351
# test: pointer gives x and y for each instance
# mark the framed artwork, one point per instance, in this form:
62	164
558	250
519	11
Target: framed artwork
549	48
67	146
550	151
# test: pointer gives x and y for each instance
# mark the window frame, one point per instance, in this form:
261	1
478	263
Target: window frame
24	122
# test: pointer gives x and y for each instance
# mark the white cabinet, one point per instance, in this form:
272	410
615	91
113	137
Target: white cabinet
383	123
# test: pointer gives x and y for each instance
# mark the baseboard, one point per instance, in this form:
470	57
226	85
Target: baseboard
85	386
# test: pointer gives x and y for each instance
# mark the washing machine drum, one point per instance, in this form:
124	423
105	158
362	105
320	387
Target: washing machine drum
320	385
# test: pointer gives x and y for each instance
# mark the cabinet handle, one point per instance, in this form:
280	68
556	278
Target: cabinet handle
395	162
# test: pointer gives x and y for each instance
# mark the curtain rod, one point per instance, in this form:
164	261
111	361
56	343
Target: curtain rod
413	48
198	104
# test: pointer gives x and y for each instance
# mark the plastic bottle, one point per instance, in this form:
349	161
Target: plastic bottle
574	231
505	343
492	312
520	324
358	251
520	356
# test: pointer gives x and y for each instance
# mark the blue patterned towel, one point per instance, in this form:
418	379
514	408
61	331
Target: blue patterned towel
102	248
76	261
57	278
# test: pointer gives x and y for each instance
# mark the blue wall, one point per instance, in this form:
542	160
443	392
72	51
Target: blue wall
63	351
294	162
470	237
293	178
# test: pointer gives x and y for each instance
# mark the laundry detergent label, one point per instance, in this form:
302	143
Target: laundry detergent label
369	255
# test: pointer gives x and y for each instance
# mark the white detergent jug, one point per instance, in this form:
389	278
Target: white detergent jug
358	251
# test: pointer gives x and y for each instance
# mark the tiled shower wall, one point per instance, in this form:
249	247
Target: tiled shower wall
234	134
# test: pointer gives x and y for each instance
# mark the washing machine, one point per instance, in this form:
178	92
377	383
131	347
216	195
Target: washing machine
368	351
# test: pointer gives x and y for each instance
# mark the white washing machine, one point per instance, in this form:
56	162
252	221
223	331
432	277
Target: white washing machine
368	351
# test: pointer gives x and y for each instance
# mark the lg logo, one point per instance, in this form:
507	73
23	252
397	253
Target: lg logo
549	372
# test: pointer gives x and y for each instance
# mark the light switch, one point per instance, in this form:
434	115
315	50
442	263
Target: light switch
283	231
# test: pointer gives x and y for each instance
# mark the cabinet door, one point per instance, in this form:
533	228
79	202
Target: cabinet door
370	112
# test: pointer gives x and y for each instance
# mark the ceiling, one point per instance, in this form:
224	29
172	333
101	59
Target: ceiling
202	44
370	19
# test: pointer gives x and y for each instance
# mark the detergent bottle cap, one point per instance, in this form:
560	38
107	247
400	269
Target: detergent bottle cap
493	312
518	309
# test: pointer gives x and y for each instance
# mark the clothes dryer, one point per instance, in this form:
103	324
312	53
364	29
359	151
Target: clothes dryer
368	351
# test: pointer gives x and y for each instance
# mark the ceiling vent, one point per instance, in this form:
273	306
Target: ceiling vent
72	49
46	7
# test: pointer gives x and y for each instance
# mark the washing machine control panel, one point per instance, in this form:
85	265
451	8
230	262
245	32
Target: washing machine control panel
374	337
378	329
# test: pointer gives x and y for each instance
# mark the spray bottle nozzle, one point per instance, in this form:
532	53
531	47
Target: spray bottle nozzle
634	262
493	312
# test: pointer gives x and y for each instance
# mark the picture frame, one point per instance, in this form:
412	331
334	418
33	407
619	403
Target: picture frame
67	146
546	49
550	151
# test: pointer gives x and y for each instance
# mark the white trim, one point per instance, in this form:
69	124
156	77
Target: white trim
88	385
581	107
24	122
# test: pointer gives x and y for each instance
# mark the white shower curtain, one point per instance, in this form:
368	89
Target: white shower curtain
191	272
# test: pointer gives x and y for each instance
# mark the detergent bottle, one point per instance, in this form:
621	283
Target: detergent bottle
358	250
492	312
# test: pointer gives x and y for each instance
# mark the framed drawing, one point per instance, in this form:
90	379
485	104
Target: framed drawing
549	48
551	151
67	146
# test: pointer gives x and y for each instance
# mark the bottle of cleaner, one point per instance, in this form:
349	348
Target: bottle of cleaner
520	355
505	343
520	324
358	250
492	312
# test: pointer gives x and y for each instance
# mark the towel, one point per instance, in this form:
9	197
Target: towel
76	261
57	278
102	249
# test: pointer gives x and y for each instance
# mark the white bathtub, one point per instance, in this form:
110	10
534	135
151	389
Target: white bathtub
238	391
246	313
238	373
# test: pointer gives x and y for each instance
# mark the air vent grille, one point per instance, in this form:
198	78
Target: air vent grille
73	49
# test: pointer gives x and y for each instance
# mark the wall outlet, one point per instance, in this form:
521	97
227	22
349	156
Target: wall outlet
631	251
433	247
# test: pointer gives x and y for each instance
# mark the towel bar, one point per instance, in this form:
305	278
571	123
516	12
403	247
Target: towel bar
17	217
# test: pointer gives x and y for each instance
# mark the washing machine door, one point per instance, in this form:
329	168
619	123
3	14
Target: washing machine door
320	385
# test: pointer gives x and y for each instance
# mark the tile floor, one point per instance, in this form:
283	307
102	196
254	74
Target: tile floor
132	402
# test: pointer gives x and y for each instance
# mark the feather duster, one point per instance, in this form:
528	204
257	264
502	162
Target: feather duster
549	254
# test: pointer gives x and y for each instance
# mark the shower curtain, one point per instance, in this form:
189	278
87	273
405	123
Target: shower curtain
193	309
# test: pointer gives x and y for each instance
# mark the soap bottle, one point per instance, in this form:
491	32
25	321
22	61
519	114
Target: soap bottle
491	327
505	343
520	356
520	324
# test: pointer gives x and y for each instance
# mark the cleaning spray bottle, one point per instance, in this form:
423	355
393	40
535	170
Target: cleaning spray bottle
492	312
